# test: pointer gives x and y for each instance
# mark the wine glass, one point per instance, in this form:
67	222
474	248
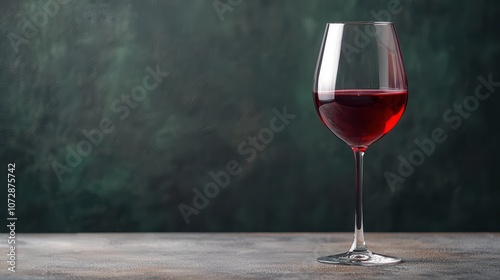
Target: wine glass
360	93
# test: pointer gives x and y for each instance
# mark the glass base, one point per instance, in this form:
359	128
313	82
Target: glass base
365	258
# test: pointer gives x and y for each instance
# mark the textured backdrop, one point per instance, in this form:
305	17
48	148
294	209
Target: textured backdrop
141	116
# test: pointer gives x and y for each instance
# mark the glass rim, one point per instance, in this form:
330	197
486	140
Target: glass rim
361	22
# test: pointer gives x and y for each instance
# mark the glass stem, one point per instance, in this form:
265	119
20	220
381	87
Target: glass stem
358	245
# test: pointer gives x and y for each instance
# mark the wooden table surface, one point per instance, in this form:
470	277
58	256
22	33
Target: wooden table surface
248	256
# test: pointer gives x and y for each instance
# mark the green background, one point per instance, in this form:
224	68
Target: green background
226	74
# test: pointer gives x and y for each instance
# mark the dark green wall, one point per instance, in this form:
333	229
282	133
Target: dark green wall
66	67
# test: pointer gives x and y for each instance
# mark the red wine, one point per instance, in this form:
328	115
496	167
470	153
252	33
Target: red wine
360	117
